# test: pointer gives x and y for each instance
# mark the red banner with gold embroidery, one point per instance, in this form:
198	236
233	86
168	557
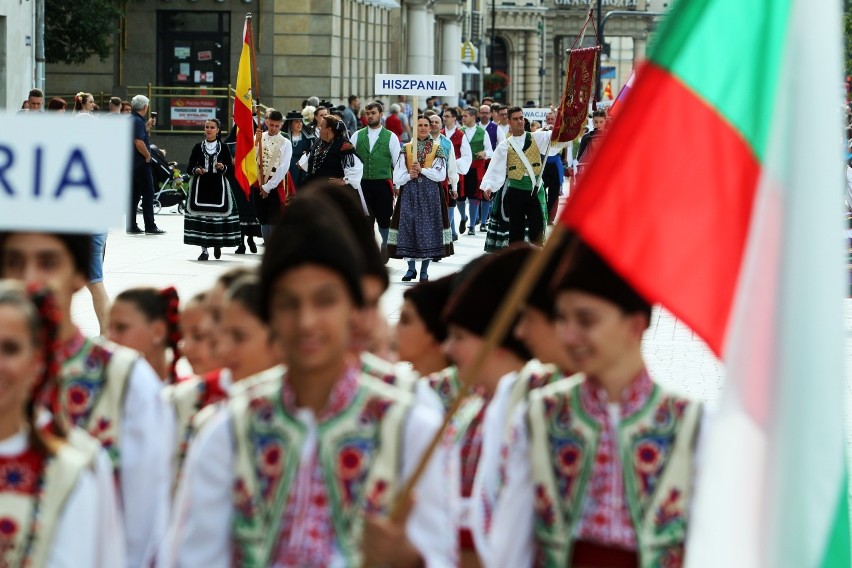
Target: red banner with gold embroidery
579	83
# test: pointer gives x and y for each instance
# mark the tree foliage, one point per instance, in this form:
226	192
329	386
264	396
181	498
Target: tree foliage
75	31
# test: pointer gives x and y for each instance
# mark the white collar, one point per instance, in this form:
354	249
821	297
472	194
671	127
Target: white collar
15	444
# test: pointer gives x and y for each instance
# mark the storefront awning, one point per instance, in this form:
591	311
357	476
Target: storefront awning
469	69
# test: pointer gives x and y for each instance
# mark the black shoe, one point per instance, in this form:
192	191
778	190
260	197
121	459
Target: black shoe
424	278
217	253
240	249
455	238
155	231
462	225
409	276
252	246
204	256
134	231
384	251
471	231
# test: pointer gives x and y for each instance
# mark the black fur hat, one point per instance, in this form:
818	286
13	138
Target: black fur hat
430	298
474	303
311	231
583	269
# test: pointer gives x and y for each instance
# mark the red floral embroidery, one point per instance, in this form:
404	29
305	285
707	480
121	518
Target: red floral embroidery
20	474
648	456
374	504
606	515
669	511
78	400
272	459
350	462
8	527
544	506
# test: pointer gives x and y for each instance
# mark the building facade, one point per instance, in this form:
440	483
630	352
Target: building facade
17	61
188	51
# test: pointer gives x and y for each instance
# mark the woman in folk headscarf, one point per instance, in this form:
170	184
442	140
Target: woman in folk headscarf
420	226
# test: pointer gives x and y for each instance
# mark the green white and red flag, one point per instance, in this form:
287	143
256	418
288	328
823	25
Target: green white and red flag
728	214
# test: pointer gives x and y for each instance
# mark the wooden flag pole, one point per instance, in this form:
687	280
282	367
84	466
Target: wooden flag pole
256	97
495	333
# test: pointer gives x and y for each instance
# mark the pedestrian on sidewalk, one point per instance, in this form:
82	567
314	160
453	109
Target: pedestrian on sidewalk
143	180
211	219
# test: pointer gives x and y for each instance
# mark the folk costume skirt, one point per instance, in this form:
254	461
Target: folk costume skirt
497	235
211	218
420	225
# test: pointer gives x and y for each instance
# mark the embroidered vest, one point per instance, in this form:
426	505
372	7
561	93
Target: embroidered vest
29	481
656	446
515	169
272	146
477	143
534	375
446	385
358	450
410	157
377	162
93	385
387	372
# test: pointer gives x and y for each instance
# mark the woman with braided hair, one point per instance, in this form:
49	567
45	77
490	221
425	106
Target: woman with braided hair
52	500
147	320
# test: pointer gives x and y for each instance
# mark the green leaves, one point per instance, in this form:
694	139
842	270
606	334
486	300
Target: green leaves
75	31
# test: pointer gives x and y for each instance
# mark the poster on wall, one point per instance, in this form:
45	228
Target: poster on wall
192	112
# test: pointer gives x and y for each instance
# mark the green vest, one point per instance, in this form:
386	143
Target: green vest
477	143
359	452
377	162
656	445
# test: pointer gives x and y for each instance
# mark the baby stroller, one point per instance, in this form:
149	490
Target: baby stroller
168	181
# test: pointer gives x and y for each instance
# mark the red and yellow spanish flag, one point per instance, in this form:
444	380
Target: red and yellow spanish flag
245	158
607	93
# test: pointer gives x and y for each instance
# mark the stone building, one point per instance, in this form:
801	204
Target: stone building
17	52
530	43
188	51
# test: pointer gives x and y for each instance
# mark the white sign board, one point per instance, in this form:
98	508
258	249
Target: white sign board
64	174
533	114
416	85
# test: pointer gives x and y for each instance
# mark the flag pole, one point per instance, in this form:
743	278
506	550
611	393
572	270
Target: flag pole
497	330
256	97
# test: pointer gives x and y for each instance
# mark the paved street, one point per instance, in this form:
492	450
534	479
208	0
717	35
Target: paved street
676	357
